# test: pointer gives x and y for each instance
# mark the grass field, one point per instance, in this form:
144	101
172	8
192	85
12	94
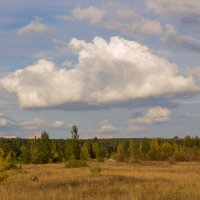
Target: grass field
137	181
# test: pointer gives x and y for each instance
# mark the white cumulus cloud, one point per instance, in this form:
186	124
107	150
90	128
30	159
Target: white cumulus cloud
58	124
153	115
107	72
35	26
106	127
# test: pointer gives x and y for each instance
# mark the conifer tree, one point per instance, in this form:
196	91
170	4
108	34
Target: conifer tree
45	155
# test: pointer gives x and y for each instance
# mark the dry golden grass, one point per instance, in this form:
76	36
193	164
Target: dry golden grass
138	181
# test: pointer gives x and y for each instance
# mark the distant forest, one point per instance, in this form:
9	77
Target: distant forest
45	150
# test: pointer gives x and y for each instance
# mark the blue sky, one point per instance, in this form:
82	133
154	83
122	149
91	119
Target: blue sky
113	68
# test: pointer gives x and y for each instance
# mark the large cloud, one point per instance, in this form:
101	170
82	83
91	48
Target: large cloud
107	72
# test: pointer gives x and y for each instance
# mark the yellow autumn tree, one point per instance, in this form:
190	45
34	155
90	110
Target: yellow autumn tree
4	164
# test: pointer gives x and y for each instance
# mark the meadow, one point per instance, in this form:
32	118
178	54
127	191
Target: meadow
144	180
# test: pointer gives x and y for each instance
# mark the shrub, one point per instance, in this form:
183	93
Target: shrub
3	174
5	161
96	170
75	164
121	157
100	160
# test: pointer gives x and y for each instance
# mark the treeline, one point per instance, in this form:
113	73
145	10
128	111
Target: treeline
46	150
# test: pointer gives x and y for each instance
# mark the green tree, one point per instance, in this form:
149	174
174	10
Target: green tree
34	151
75	144
5	161
132	149
189	142
97	149
167	150
144	146
25	155
155	151
45	155
86	151
56	152
68	149
74	133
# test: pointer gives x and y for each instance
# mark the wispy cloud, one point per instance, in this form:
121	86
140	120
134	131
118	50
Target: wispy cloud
174	40
93	14
35	26
191	115
122	18
174	8
33	124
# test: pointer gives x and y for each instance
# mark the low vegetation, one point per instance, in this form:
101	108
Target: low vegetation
75	164
144	180
140	169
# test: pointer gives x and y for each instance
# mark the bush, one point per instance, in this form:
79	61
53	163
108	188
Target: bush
75	164
96	170
5	161
100	160
120	157
3	175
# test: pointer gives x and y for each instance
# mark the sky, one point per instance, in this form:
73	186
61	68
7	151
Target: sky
115	69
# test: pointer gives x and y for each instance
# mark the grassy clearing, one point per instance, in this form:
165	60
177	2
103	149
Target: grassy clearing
137	181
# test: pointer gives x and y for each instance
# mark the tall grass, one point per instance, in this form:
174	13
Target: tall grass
137	181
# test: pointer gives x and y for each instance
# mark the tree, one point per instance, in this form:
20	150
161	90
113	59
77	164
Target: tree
155	149
144	146
74	133
72	147
86	151
167	150
41	149
5	160
97	149
25	154
45	155
132	149
189	142
56	152
68	149
75	143
34	151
